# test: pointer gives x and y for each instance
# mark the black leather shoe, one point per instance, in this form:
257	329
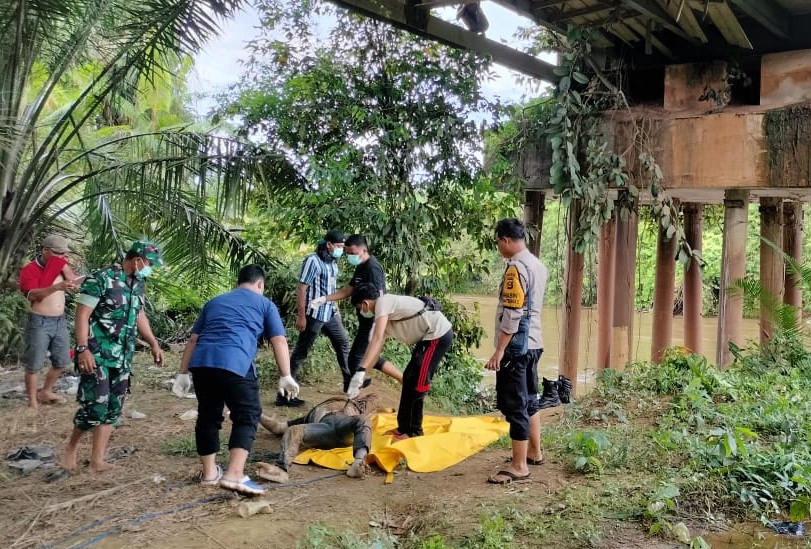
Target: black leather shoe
294	402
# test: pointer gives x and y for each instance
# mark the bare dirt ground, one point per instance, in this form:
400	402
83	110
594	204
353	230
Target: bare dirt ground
154	501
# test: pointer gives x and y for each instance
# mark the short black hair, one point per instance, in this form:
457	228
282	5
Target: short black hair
356	240
364	291
512	228
250	274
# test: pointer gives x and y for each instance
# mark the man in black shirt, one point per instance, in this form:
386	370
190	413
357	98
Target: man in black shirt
367	271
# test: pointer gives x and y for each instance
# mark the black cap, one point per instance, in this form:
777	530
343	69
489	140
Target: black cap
334	237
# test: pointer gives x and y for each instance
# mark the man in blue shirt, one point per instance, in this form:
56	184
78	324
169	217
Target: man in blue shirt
220	355
319	278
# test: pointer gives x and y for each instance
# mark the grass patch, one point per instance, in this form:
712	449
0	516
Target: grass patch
321	536
183	446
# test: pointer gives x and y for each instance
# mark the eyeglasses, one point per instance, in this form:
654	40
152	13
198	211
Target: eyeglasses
54	252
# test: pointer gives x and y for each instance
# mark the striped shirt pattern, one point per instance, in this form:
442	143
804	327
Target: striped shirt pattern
321	279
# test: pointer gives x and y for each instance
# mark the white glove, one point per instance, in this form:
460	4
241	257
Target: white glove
355	384
182	385
317	302
288	387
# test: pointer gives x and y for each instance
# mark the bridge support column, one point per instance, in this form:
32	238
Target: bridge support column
733	268
693	299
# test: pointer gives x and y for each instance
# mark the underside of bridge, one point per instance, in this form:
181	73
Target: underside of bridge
752	145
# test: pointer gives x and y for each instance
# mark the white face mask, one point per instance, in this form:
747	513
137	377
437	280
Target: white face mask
366	314
144	272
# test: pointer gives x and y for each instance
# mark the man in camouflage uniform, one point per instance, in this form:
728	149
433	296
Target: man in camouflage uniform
335	423
109	318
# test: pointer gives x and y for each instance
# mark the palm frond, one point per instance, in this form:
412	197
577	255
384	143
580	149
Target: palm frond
179	192
126	42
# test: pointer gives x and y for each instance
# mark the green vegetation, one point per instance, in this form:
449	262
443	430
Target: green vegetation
656	445
380	124
369	130
96	142
13	322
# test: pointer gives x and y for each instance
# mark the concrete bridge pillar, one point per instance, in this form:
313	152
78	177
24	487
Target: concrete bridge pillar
664	292
624	288
772	266
606	249
572	302
533	216
793	247
693	299
733	268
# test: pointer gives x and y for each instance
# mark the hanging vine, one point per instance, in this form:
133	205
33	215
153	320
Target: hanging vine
585	165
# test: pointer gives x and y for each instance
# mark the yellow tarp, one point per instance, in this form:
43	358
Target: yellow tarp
447	441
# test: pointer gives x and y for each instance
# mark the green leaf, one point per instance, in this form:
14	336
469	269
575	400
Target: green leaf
800	509
666	491
580	77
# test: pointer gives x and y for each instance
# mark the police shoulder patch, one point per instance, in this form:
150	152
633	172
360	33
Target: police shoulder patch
512	292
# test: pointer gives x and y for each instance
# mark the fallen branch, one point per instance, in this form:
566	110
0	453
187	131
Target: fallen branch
68	504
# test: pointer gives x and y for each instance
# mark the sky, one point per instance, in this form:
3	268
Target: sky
219	64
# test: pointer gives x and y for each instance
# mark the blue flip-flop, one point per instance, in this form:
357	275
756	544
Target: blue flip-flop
246	486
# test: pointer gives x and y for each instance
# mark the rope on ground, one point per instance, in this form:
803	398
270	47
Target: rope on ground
149	516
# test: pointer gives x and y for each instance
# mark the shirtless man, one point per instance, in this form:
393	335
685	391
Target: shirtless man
44	282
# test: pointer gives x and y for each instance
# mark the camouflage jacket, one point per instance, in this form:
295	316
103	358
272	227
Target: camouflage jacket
116	300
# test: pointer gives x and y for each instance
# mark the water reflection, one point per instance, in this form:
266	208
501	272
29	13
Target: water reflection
552	322
752	535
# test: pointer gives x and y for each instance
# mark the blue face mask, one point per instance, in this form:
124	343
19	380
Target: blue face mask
143	273
353	259
367	314
337	252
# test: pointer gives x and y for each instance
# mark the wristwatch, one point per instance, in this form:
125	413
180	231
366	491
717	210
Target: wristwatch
80	349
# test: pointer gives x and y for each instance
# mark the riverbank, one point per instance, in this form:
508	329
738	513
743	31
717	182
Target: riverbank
153	500
646	459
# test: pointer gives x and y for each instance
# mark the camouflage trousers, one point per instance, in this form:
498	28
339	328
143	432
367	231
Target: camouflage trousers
100	397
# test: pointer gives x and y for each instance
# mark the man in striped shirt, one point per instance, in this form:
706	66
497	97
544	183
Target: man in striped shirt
319	277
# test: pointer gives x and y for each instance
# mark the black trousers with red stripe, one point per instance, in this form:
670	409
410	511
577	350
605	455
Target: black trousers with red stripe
417	381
